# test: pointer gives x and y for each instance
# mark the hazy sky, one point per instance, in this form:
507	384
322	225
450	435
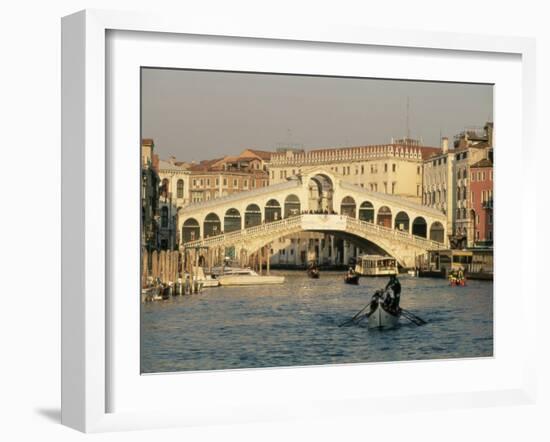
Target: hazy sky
197	115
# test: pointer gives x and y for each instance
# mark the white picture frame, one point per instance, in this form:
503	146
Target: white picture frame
86	316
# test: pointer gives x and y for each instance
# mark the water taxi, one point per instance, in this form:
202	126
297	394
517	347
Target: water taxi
376	265
244	276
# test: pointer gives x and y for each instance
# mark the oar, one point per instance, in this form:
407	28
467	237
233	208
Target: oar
412	317
355	317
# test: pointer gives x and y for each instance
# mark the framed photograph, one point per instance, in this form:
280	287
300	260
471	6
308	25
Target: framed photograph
264	222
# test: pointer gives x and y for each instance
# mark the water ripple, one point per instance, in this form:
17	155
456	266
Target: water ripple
297	324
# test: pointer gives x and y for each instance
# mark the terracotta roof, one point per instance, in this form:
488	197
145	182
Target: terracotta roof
204	165
429	151
263	154
483	163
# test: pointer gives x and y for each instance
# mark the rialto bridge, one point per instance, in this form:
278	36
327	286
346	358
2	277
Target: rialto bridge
316	201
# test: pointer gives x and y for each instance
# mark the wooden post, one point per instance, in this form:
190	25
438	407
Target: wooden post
260	252
268	247
154	269
196	271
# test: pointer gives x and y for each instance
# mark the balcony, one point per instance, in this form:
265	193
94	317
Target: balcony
487	204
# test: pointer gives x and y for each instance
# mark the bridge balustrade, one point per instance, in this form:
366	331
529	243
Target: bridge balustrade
294	223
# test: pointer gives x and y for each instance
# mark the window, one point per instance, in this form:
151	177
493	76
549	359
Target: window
393	166
245	184
385	187
385	167
194	183
348	170
235	183
473	176
393	187
225	182
164	217
180	189
208	182
418	170
217	182
362	169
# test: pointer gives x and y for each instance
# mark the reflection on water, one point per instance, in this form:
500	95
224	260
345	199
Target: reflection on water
297	324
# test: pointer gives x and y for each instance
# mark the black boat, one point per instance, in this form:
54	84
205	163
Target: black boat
352	279
313	271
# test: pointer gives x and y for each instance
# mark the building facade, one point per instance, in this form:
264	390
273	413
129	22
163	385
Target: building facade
150	182
447	182
481	198
174	195
222	177
471	146
438	181
391	168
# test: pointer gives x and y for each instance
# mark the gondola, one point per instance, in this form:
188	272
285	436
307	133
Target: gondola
313	272
381	316
351	279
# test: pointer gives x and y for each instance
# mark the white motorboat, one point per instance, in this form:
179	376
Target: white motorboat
244	276
381	317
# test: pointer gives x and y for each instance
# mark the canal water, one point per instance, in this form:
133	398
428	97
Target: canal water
296	323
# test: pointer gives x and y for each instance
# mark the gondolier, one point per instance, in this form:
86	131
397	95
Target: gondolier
393	290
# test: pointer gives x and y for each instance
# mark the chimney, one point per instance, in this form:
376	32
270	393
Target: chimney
489	130
444	144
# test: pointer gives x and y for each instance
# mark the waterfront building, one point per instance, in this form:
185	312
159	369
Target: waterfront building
438	181
471	146
394	168
481	198
150	182
221	177
446	181
174	195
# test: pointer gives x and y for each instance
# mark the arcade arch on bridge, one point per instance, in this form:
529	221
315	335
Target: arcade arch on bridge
437	232
252	216
366	212
272	211
212	225
292	205
402	221
320	193
384	217
191	230
420	227
348	207
232	220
